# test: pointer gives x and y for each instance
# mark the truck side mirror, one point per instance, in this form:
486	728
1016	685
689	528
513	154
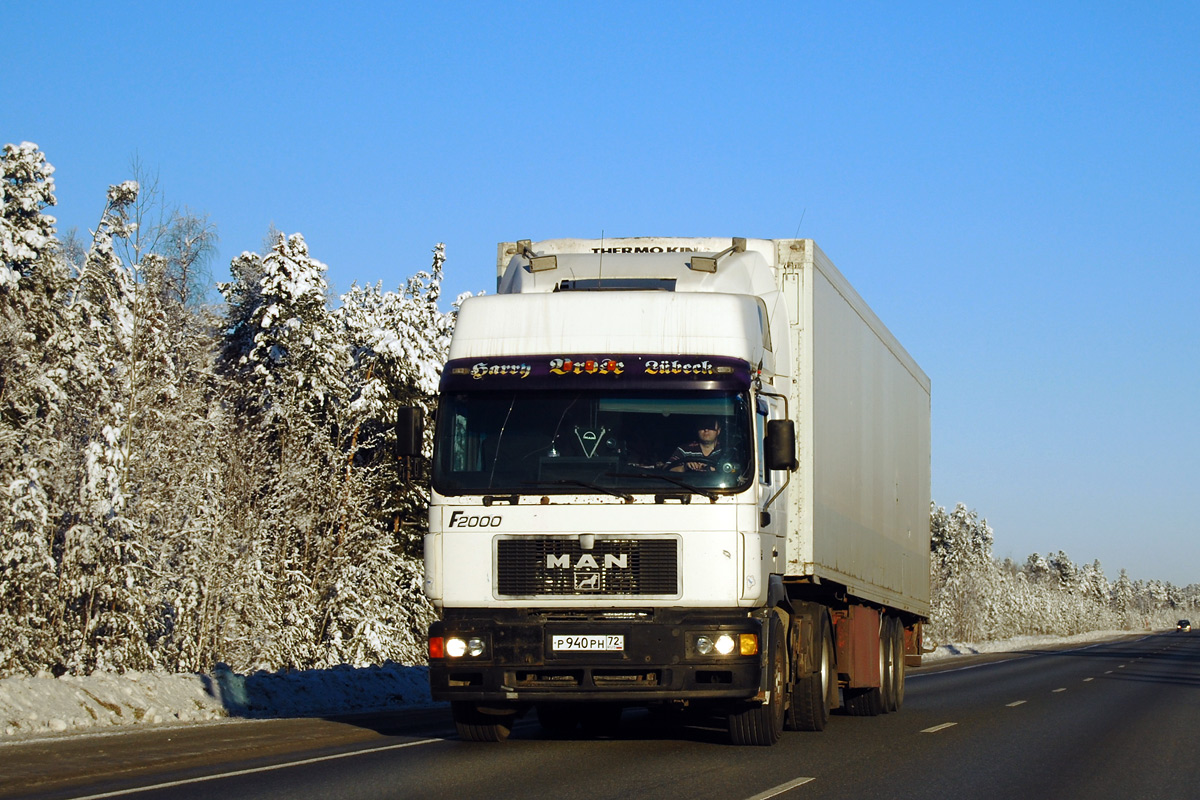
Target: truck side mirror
410	431
780	446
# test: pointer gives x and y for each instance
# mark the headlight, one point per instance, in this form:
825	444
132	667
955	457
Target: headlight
716	643
457	647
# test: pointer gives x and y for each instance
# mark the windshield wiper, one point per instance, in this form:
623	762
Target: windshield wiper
681	484
628	498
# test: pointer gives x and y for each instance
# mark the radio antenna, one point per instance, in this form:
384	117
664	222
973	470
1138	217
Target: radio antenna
801	222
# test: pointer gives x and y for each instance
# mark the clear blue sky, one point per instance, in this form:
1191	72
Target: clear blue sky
1014	187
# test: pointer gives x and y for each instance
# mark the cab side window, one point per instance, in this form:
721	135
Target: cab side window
760	424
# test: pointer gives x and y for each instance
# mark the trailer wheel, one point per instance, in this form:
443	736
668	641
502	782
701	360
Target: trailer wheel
810	698
762	724
898	668
887	663
477	726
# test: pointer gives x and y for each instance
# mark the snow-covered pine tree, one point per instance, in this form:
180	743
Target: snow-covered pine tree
281	344
32	281
963	575
107	591
398	343
284	360
1122	600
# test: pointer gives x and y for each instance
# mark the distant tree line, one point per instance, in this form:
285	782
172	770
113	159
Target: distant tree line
976	597
183	484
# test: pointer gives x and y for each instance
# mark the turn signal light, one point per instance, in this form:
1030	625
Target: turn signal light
437	647
748	644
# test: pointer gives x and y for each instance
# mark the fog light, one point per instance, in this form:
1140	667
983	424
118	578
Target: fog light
704	645
475	647
456	648
724	644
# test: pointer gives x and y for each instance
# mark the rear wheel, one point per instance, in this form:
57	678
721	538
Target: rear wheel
887	664
762	724
898	661
810	698
476	725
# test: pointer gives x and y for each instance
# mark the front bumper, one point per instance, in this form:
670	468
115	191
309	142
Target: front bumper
658	662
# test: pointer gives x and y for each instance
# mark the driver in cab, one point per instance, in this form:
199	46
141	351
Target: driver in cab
701	455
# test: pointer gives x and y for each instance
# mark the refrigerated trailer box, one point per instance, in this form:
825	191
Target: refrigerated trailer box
682	472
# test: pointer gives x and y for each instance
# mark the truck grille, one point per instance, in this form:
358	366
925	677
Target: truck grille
530	566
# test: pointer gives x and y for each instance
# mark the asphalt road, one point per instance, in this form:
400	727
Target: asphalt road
1116	720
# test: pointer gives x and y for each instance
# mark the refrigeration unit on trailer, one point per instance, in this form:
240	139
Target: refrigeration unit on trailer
677	473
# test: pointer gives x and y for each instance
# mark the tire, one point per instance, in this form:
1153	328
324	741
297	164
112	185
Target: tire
898	660
558	719
476	726
887	665
809	710
762	724
863	702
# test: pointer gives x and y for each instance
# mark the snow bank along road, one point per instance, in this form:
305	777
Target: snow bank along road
1117	720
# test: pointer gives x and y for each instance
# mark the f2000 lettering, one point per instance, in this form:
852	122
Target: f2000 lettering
460	519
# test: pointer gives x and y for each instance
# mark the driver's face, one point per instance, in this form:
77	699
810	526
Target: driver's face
708	432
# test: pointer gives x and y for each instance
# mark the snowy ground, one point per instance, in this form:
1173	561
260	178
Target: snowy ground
49	706
1021	643
45	705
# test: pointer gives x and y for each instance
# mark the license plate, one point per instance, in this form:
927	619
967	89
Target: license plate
585	642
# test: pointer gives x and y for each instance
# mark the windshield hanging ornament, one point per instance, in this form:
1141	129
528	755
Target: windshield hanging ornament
589	440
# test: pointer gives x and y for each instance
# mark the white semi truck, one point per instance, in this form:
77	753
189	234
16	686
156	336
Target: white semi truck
675	473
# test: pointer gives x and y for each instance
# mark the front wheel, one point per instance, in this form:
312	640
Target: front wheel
762	724
810	698
476	725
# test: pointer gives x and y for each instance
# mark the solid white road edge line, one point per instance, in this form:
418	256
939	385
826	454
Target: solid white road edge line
1006	660
780	789
253	770
941	727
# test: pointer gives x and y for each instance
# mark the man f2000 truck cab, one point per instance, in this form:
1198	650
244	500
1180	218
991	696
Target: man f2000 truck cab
688	473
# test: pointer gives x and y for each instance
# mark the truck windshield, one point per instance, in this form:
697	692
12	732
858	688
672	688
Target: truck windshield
571	442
